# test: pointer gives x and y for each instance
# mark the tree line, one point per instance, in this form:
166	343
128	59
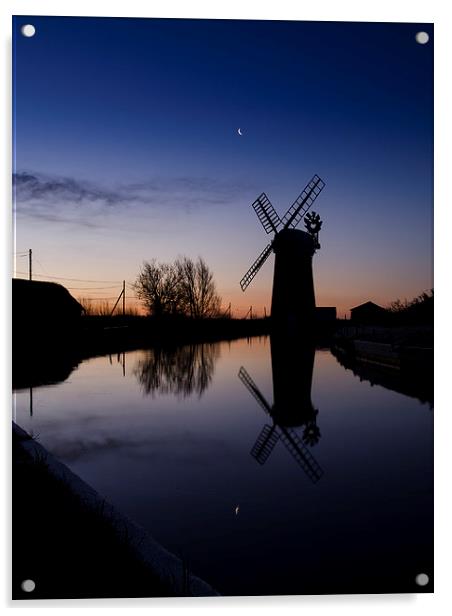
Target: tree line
419	310
184	287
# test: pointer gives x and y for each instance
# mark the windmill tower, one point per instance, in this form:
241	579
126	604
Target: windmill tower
293	298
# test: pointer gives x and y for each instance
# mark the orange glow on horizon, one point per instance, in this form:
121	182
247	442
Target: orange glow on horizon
259	299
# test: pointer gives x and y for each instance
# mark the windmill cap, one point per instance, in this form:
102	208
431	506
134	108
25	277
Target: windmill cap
294	240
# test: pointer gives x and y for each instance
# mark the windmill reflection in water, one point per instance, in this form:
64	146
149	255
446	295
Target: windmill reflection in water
292	367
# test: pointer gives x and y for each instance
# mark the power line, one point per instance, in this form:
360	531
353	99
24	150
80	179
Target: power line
101	298
97	289
118	282
91	288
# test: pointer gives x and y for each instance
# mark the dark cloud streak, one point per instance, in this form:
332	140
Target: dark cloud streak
67	199
34	187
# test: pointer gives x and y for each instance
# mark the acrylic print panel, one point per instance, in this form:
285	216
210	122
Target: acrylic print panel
222	306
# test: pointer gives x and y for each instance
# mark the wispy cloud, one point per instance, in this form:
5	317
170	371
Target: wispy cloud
62	199
34	187
65	199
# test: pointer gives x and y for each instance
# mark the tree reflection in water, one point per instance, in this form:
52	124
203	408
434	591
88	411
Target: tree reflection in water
181	370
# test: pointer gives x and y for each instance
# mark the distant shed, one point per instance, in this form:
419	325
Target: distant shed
369	314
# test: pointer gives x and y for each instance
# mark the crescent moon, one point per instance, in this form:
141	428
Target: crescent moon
240	132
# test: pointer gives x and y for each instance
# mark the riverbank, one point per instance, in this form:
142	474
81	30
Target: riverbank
73	544
399	358
48	355
110	334
402	346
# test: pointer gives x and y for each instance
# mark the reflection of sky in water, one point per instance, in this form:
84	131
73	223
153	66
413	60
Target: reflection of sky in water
180	465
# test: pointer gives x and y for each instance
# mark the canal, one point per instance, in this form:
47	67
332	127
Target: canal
268	472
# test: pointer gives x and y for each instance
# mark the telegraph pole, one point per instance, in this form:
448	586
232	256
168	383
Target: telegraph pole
30	264
123	295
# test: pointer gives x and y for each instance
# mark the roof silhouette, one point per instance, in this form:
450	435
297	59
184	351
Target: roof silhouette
368	305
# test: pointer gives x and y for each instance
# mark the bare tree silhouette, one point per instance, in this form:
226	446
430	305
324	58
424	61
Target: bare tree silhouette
185	287
157	285
197	289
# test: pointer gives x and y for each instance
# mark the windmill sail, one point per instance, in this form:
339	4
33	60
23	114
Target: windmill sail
265	443
302	203
266	213
271	221
270	435
252	387
248	277
301	454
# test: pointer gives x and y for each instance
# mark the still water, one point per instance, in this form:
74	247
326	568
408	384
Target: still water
270	473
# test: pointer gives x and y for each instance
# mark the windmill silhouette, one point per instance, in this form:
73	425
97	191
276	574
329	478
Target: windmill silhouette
293	299
285	414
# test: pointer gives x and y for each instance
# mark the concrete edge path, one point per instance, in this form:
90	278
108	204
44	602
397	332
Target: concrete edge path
167	567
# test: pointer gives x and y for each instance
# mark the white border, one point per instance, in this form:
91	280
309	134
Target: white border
436	11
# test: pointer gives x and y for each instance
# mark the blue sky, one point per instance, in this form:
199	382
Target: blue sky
126	148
